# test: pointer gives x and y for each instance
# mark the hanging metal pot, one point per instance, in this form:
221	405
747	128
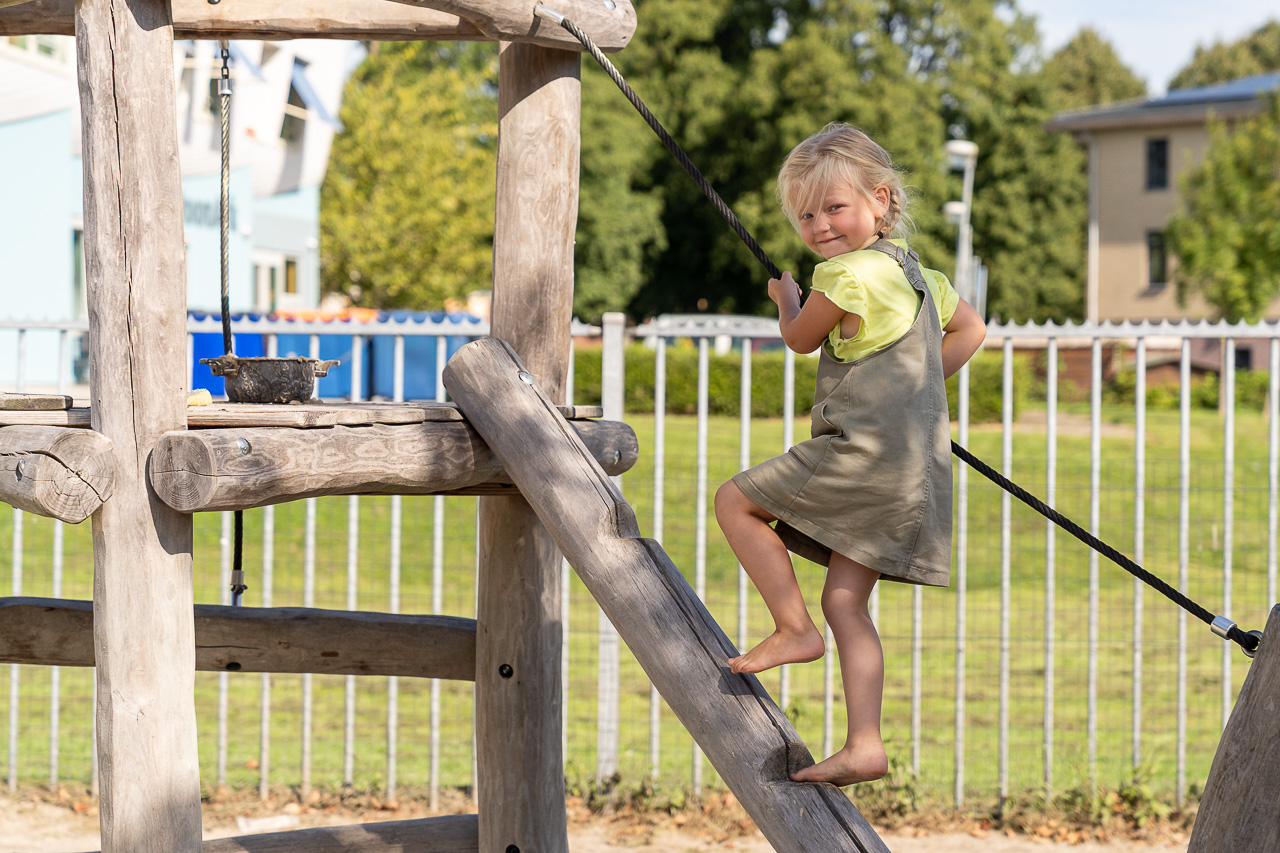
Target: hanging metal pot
269	380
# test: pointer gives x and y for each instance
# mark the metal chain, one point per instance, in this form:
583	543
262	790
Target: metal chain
1223	627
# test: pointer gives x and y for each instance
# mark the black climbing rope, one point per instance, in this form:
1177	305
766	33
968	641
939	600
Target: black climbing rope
1222	626
224	92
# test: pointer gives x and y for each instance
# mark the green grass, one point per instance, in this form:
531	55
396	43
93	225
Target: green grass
1027	551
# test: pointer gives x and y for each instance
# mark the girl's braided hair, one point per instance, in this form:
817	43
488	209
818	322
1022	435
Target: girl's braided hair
843	154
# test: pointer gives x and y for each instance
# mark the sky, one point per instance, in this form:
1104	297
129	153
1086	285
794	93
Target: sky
1155	38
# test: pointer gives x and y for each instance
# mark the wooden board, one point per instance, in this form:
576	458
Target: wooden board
225	469
33	402
747	738
447	834
57	632
135	274
303	415
56	472
462	20
1238	812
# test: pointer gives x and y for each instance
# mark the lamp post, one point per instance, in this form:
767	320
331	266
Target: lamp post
962	155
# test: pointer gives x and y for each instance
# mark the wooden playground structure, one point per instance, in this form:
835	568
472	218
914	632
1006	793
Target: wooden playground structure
147	463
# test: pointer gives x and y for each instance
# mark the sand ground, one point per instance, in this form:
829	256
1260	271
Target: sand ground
31	825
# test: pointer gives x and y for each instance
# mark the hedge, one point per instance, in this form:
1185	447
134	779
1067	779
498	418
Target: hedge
724	378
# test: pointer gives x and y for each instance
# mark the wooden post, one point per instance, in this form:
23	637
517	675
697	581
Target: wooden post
518	695
1238	813
149	777
748	739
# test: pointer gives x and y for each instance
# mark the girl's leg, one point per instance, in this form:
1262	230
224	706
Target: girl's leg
844	602
795	638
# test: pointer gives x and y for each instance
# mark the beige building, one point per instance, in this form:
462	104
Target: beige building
1138	151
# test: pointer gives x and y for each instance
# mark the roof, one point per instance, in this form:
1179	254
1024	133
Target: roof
1181	106
30	87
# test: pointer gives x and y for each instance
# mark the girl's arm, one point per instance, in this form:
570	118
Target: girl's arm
964	334
804	329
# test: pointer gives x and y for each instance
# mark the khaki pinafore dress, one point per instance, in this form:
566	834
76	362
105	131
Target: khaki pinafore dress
874	481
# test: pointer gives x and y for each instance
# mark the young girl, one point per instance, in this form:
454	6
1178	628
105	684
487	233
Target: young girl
869	496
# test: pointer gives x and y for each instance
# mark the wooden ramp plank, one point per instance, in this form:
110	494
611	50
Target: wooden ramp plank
1240	809
747	738
59	632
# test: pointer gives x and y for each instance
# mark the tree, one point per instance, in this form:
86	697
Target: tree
1086	71
407	202
1227	237
740	83
1256	53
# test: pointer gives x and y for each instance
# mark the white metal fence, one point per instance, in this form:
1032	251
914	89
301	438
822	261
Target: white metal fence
1040	670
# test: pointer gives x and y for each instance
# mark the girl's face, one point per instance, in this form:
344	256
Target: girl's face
844	220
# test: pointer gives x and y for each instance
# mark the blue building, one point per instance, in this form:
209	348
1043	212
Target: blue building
285	101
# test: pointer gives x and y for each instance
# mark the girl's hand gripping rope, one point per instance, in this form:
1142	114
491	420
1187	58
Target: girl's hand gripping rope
784	291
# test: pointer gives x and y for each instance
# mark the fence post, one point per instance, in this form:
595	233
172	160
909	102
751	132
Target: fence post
612	379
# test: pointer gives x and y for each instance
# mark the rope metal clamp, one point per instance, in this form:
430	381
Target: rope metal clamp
548	14
1249	653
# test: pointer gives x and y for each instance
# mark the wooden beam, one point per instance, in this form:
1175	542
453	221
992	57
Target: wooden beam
749	740
303	415
226	469
56	472
447	834
610	25
135	268
518	690
57	632
1238	812
382	20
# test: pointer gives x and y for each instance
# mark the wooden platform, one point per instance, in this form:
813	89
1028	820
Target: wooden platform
320	413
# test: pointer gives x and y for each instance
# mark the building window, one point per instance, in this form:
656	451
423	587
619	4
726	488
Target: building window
1157	164
1157	264
295	109
290	275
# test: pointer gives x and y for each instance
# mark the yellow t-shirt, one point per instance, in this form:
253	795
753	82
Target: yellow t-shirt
872	285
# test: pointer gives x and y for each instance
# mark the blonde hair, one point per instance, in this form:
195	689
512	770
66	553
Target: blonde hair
841	154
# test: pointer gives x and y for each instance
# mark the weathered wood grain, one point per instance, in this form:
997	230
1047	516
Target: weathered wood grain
148	769
226	469
460	20
447	834
55	472
10	401
748	739
518	691
304	415
610	24
59	632
1239	812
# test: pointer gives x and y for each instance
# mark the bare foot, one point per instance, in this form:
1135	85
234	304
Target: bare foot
847	767
779	648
